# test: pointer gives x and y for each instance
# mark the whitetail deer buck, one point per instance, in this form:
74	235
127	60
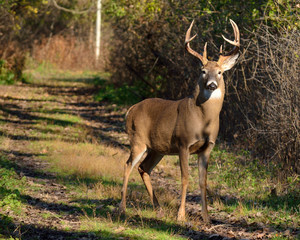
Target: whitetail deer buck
188	126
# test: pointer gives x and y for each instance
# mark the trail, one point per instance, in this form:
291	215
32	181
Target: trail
19	108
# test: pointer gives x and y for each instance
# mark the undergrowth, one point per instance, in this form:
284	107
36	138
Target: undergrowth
246	188
8	77
123	94
11	186
11	201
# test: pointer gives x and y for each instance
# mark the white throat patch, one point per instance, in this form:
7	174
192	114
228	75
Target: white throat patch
217	94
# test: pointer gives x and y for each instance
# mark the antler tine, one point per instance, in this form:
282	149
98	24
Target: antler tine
188	39
236	31
205	52
235	43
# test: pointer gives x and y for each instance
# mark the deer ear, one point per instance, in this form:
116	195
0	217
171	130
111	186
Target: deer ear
229	62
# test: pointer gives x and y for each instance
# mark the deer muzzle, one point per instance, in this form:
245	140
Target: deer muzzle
211	85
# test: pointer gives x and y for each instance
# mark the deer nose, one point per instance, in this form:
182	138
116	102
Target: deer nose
211	85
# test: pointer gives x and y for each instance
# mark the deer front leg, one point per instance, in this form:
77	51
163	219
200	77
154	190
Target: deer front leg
184	164
203	159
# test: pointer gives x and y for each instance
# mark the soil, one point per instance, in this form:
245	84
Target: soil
17	104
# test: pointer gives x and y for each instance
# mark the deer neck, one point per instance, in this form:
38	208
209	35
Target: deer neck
209	102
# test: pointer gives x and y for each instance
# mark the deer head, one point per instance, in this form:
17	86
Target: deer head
212	71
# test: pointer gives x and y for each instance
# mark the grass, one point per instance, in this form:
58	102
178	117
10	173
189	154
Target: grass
248	193
249	190
91	170
38	72
119	229
11	189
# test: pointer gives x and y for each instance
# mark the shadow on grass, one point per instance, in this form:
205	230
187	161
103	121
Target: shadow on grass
89	111
288	202
10	109
31	120
95	210
9	229
107	121
88	80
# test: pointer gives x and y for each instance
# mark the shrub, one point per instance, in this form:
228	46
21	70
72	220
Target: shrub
6	76
273	115
261	108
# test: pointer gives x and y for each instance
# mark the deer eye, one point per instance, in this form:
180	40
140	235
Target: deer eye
219	72
203	72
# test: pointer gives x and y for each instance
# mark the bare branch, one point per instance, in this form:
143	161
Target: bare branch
91	8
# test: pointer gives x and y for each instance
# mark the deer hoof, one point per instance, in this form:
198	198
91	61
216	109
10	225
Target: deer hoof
120	210
160	213
181	217
206	219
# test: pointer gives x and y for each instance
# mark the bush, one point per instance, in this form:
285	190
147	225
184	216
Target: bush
273	91
123	95
6	76
261	108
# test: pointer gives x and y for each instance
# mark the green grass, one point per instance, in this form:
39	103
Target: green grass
118	230
11	187
123	95
11	199
38	72
249	190
7	77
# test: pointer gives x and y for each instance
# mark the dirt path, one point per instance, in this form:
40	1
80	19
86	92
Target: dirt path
18	107
19	115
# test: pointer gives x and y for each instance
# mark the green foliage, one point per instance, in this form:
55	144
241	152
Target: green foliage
122	95
125	94
239	171
148	46
133	10
6	76
283	14
11	186
247	189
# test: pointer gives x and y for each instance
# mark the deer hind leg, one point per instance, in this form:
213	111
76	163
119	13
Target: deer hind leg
145	169
203	159
135	156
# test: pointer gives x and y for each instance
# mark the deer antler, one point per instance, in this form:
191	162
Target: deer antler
188	39
236	43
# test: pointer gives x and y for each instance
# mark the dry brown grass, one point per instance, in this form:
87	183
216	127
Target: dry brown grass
106	164
66	52
90	160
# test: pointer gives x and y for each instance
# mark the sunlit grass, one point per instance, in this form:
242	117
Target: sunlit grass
98	171
87	160
137	225
242	188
